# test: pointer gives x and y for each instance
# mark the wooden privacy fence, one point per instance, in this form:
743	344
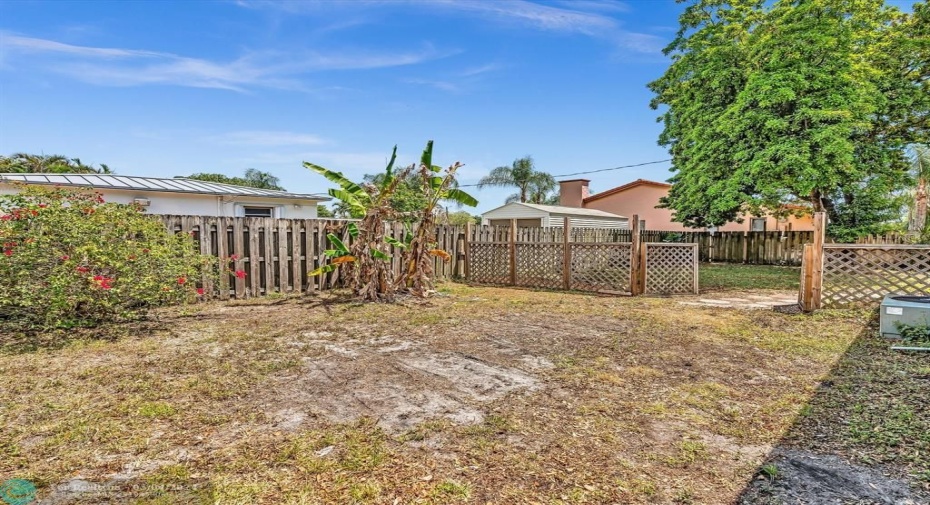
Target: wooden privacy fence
275	255
579	259
856	275
752	247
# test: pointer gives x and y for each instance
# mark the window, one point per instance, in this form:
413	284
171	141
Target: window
758	224
258	211
642	224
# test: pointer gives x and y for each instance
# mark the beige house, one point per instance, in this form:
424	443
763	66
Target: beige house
641	197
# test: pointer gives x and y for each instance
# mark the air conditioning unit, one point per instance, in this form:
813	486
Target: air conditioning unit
903	310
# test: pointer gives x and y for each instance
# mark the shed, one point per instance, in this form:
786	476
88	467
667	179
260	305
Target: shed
180	196
532	214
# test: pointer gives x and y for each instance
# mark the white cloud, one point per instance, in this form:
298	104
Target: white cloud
131	67
593	18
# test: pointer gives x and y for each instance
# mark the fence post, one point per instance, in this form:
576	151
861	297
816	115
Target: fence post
513	252
807	276
636	265
567	254
820	235
466	248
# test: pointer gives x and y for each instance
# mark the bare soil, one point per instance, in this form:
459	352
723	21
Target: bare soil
482	395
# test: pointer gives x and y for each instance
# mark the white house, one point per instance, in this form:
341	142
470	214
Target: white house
531	214
180	196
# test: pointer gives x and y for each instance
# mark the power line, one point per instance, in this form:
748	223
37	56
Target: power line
595	171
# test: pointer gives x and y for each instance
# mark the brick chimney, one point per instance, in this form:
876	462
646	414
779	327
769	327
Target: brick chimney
571	193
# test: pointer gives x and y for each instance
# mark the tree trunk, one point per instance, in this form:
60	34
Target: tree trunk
919	218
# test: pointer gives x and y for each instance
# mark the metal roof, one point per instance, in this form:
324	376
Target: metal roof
133	183
570	211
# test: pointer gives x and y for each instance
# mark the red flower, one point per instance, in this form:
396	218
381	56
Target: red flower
65	257
7	252
181	280
43	205
200	291
99	278
83	270
99	197
146	251
6	217
240	274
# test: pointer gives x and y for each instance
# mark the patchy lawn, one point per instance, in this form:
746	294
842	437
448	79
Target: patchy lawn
872	410
735	276
483	395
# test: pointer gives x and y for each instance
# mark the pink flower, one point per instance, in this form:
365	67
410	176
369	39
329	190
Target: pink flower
200	291
234	257
83	270
6	217
240	274
65	257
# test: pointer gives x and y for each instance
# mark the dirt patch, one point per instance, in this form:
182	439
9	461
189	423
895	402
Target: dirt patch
804	477
399	383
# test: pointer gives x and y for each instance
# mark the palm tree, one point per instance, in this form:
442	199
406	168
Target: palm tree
920	166
531	183
47	164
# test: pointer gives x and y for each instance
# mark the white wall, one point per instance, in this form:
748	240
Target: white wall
203	205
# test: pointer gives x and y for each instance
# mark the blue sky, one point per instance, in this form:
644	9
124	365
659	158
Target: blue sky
165	89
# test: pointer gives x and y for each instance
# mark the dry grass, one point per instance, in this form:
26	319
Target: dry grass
587	399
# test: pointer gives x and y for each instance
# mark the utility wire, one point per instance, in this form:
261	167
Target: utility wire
594	171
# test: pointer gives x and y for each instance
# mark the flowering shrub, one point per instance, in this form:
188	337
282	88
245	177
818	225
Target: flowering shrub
70	259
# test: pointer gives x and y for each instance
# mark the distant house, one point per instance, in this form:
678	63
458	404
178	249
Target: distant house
641	197
180	196
532	215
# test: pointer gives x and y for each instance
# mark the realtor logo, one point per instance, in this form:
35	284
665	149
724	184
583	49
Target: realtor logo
17	492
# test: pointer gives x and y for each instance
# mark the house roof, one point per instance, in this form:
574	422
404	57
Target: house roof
629	185
164	185
561	211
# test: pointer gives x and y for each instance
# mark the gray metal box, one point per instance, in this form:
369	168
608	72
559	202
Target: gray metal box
901	309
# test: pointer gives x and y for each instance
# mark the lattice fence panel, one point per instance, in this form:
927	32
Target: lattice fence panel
857	275
489	263
539	265
597	267
671	268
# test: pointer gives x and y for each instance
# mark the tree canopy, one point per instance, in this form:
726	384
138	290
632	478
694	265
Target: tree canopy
252	178
814	100
22	163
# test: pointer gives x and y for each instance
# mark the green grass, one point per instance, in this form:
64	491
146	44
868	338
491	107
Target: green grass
735	276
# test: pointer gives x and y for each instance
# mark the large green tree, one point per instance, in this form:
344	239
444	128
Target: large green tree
815	100
252	178
533	186
21	163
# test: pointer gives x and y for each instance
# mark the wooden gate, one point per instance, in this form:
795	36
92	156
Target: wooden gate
856	275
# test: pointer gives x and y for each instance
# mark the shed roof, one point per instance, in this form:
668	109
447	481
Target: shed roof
159	184
564	211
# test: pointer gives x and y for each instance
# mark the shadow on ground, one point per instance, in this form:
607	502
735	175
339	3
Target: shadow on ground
864	438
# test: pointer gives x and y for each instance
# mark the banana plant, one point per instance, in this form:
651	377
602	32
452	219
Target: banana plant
438	185
366	257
